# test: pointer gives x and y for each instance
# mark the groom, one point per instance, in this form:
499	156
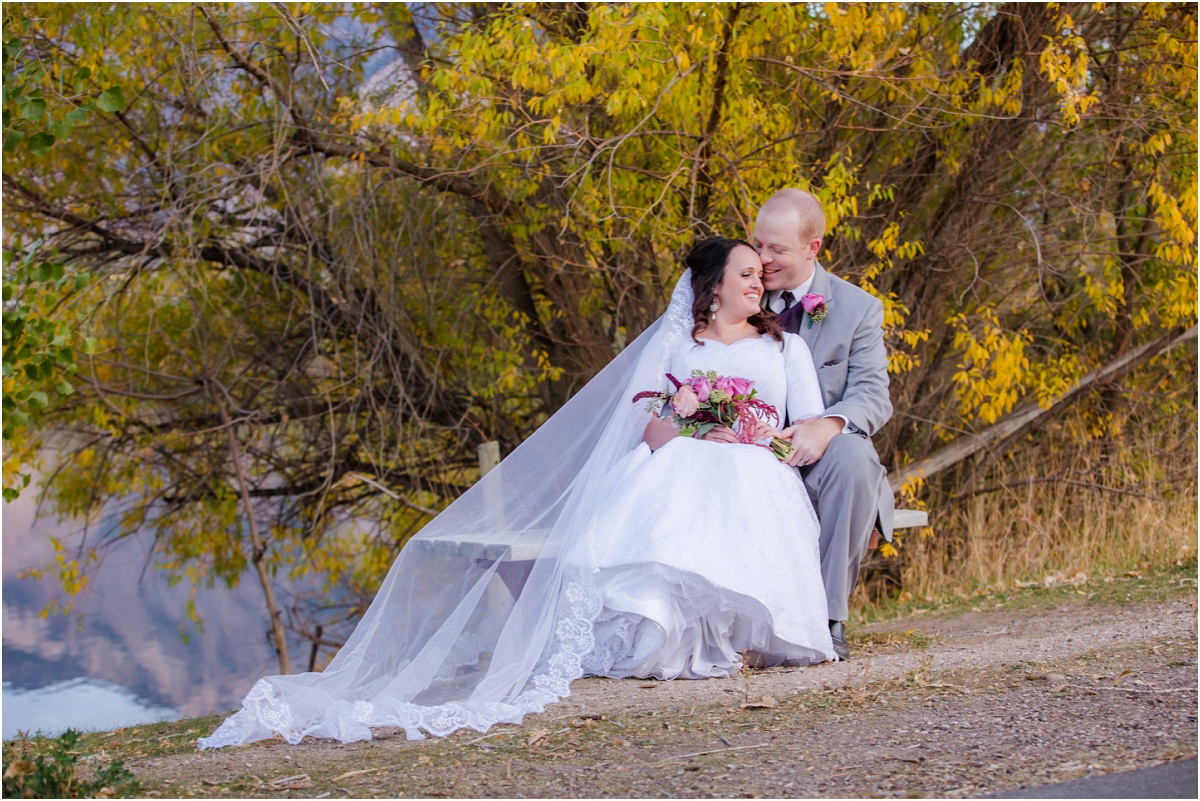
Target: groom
843	327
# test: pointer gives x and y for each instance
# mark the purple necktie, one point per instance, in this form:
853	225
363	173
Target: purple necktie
789	318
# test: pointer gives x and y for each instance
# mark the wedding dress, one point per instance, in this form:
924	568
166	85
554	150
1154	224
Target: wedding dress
707	549
664	564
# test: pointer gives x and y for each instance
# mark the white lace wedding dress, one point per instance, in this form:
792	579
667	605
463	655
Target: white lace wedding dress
706	549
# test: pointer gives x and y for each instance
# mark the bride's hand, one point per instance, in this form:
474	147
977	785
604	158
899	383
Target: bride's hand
659	431
767	431
720	434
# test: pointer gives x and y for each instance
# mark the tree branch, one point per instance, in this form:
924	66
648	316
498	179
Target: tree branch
1031	415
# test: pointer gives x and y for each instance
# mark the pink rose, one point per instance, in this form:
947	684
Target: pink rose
685	402
702	386
812	302
741	386
732	385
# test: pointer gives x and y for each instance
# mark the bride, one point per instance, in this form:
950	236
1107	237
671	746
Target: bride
657	555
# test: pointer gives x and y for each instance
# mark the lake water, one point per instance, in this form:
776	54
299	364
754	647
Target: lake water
124	661
83	704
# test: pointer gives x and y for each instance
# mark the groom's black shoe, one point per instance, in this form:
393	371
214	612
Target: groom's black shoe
837	631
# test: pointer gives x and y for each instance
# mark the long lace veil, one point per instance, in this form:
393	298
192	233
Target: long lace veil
465	633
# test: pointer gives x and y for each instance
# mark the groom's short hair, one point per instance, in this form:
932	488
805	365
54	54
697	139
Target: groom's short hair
807	208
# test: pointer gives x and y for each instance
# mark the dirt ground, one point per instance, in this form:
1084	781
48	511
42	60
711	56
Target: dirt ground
1015	692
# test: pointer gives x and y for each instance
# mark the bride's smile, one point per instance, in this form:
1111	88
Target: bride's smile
739	294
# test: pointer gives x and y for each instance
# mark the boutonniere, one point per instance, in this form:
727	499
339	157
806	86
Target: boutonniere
815	306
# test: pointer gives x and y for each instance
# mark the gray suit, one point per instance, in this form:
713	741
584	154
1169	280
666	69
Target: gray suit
848	485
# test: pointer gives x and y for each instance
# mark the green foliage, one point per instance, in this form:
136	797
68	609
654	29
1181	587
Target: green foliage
39	350
41	104
51	772
39	347
36	348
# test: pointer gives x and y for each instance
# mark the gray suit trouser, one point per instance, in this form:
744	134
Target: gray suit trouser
844	488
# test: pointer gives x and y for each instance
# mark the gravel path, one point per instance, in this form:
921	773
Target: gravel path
964	706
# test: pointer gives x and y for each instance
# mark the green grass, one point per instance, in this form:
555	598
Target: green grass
131	742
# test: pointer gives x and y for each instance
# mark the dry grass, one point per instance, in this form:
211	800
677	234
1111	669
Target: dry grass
1052	516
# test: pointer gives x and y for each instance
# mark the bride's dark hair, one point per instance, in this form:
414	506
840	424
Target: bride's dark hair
707	262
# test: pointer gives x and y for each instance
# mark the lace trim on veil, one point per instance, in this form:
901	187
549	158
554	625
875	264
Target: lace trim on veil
265	707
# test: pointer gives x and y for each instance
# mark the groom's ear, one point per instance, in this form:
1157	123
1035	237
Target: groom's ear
814	247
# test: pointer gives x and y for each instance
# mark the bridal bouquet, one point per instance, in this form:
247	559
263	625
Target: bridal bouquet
707	400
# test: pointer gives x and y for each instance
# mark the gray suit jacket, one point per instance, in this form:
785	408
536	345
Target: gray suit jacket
851	360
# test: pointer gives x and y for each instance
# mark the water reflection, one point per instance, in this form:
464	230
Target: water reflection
83	704
128	640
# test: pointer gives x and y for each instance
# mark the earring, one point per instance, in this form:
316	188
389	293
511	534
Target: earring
712	307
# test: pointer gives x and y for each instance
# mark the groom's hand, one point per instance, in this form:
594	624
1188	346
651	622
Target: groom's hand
810	438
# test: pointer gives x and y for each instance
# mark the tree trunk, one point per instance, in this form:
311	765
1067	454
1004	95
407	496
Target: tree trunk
256	540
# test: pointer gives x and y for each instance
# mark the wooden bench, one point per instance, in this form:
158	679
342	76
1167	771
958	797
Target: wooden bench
517	551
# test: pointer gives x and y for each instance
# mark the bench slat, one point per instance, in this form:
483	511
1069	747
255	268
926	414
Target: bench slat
490	546
910	518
